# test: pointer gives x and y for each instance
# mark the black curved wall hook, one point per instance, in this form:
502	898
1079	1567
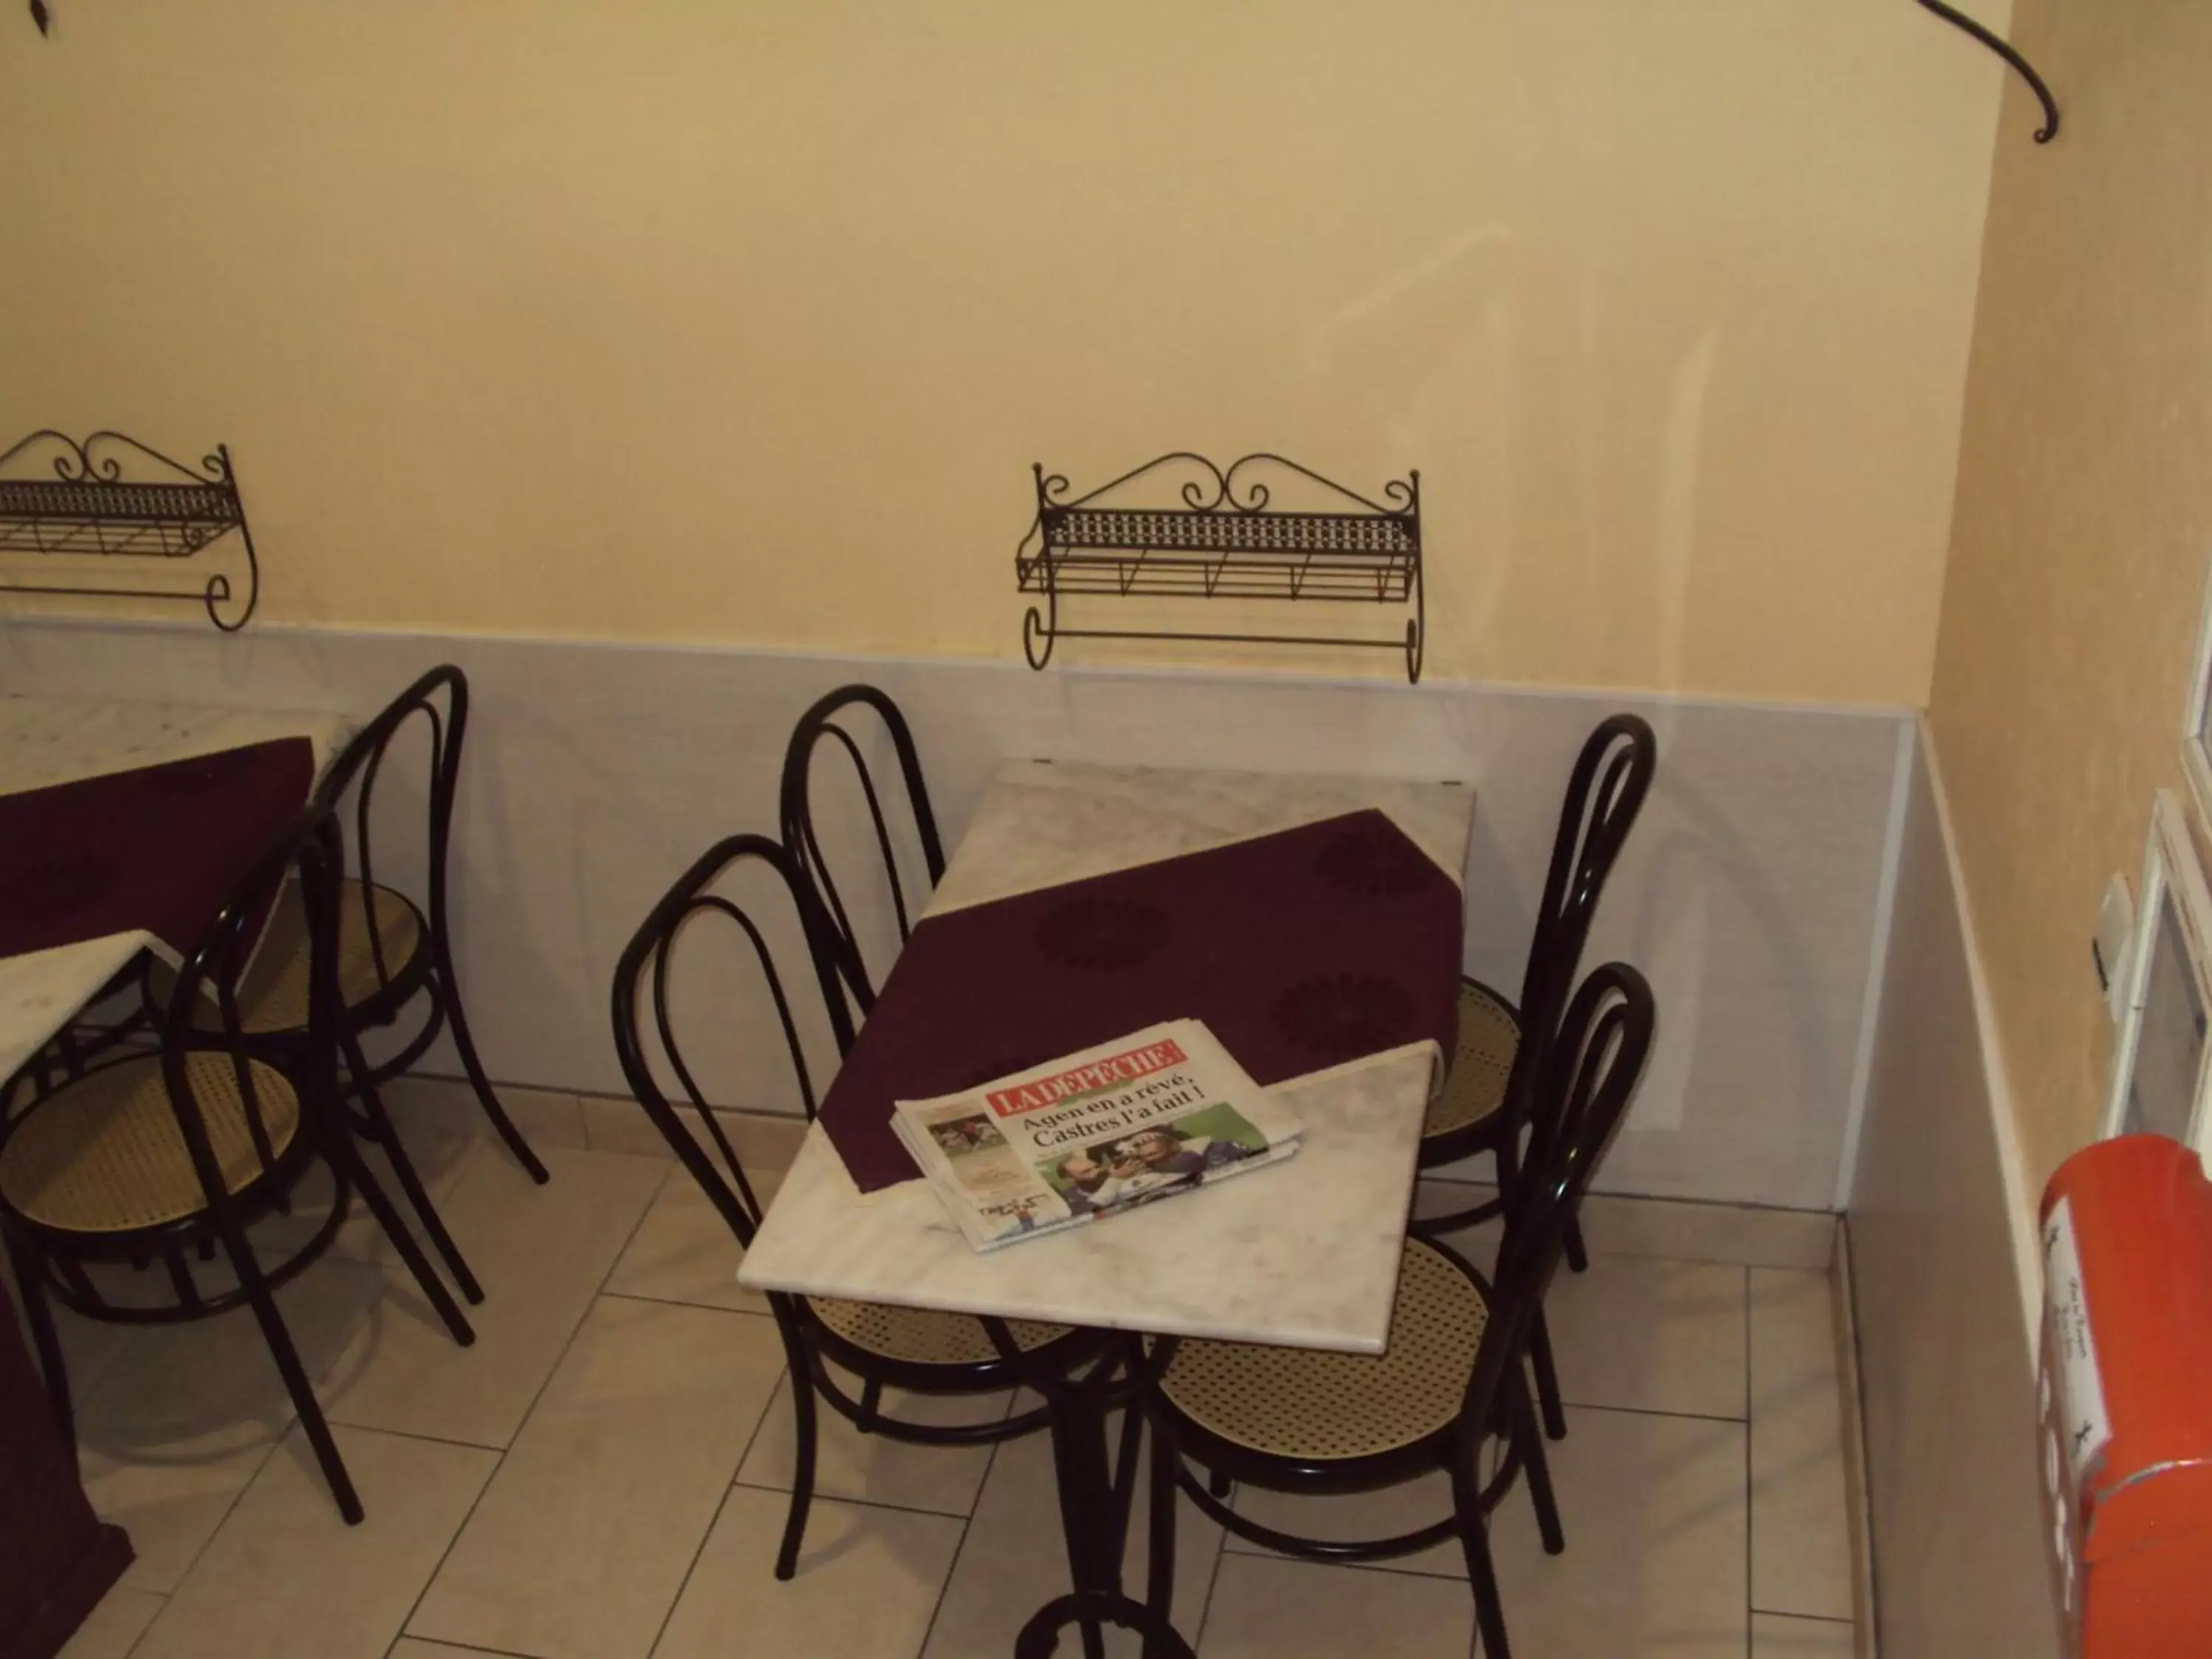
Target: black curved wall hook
2004	49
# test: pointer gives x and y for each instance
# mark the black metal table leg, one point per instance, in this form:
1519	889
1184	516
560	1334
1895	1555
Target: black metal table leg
1097	1491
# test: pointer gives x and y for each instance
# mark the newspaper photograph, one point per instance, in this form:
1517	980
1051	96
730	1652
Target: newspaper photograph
1159	1112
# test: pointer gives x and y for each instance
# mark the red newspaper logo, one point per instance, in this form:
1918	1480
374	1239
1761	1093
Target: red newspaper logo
1082	1079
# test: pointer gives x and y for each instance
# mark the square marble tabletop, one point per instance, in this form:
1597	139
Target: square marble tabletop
44	742
1305	1254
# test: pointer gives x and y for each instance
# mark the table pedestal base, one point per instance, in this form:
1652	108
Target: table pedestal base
1096	1493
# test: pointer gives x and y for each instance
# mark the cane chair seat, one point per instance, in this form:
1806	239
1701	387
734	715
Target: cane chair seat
920	1337
273	996
104	1154
1481	1061
1317	1407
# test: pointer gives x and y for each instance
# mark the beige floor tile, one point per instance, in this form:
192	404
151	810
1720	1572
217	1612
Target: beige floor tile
612	1125
188	1414
1746	1235
115	1624
1654	1509
867	1582
1015	1560
285	1574
873	1469
549	1119
764	1142
1364	1515
1266	1607
1801	1538
542	1252
1774	1636
410	1647
684	1251
582	1542
1643	1334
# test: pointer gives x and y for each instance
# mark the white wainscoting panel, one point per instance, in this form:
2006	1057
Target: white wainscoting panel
1952	1448
596	772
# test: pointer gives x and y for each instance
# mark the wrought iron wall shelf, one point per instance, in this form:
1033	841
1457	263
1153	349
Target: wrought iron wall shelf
1219	535
67	507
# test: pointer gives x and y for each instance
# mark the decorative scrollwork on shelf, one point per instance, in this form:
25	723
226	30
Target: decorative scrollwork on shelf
2005	49
111	496
1179	526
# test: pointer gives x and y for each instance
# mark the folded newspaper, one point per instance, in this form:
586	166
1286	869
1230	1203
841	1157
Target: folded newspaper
1149	1115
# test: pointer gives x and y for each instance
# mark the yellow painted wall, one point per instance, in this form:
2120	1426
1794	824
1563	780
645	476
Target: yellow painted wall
2084	524
741	319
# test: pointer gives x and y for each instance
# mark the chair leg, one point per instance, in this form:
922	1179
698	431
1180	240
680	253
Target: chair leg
1160	1533
1538	1465
1548	1378
39	1315
802	1476
1482	1578
446	989
345	1158
872	1406
1219	1485
1577	1254
296	1384
387	1134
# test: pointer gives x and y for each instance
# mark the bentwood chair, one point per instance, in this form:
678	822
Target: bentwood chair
921	1351
1452	1382
1502	1044
391	951
175	1154
836	717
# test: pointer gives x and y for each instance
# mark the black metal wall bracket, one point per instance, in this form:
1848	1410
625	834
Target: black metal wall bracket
2004	49
1218	535
110	497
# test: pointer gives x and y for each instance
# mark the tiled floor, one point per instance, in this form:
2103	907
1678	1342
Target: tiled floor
601	1476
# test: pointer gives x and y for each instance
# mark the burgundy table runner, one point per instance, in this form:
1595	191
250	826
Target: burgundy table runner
1300	949
154	850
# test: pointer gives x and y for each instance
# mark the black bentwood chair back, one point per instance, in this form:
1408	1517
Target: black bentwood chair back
828	719
176	1152
924	1352
390	949
1452	1378
1501	1045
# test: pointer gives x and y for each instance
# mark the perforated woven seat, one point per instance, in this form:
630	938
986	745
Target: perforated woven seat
923	1338
274	995
105	1155
1481	1061
1296	1403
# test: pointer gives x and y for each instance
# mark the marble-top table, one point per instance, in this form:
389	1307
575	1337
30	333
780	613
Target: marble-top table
44	742
1305	1254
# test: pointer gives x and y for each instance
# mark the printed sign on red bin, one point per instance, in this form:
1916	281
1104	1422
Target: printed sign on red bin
2124	1389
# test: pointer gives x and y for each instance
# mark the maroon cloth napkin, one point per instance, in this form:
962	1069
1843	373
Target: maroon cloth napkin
1300	950
155	849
